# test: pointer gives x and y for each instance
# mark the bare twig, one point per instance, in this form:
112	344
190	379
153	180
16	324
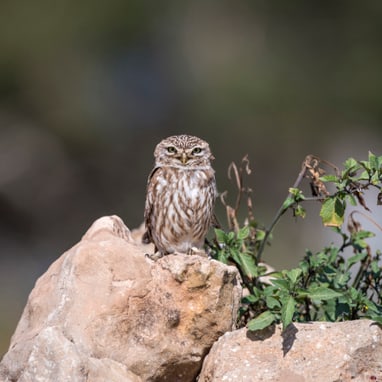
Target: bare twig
367	217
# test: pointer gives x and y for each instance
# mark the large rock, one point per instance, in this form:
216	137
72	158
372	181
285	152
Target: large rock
105	312
316	352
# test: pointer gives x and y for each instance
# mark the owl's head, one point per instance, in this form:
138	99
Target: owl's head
183	151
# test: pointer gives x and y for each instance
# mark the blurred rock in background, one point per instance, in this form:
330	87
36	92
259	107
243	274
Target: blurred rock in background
88	89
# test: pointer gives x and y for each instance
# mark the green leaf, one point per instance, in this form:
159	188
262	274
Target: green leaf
354	294
272	302
297	194
364	176
247	264
230	236
351	199
260	235
375	178
304	266
270	291
243	233
250	299
373	160
330	310
300	211
277	275
261	321
287	311
354	259
288	202
341	279
350	164
358	241
282	284
332	212
375	266
333	254
220	235
364	234
322	293
366	165
294	274
329	178
222	257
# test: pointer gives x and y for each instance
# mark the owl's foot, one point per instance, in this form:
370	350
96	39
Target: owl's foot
197	252
154	256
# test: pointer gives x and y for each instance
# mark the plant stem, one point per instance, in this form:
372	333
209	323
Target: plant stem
282	209
361	272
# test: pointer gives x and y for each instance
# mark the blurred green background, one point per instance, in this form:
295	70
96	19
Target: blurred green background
88	88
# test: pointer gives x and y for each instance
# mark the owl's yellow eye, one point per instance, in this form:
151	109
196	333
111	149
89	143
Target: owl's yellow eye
171	149
197	150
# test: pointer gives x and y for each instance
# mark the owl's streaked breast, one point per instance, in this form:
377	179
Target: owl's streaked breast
182	219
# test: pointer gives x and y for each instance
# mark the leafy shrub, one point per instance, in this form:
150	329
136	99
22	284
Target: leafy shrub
327	285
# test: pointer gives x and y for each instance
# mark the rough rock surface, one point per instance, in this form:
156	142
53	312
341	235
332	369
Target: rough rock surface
105	312
316	352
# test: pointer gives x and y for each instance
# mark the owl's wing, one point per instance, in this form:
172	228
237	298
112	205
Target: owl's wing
147	236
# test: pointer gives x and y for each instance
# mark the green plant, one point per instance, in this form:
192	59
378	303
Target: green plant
327	285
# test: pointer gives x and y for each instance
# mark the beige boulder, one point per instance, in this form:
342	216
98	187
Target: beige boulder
316	352
105	312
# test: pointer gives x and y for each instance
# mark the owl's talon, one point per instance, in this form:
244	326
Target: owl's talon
154	256
192	251
196	251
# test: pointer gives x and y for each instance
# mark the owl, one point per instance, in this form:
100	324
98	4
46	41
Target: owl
181	193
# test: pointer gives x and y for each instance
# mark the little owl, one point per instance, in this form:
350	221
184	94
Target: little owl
181	193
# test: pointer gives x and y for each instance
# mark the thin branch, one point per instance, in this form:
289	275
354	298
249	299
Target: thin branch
282	209
239	182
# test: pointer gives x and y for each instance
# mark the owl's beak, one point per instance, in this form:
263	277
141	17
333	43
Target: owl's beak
184	158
